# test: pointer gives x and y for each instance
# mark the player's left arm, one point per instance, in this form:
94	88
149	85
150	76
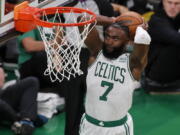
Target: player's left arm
138	58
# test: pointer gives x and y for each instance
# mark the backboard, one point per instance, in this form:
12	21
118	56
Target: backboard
7	30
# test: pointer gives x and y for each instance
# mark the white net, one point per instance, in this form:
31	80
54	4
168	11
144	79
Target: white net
63	44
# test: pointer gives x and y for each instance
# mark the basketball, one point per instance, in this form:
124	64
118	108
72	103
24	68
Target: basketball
130	19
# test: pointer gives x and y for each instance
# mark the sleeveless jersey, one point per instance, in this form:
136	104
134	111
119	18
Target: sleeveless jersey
110	88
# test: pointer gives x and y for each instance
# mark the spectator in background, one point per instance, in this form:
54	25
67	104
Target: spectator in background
18	105
162	73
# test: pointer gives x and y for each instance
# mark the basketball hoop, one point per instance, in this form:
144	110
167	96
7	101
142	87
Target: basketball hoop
62	39
62	47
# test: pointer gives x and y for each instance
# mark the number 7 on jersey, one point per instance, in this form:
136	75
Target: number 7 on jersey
109	88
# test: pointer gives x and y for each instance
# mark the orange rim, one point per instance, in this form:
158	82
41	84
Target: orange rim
52	10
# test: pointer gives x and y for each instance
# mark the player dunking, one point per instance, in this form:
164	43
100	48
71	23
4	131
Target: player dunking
111	78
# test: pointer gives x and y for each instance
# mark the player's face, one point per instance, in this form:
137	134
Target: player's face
115	40
172	7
